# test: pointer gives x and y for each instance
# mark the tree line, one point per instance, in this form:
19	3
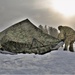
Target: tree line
49	30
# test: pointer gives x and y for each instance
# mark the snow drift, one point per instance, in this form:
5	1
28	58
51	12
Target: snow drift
55	62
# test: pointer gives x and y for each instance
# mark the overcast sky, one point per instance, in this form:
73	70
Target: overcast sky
38	11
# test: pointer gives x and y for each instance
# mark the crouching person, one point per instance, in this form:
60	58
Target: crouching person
67	34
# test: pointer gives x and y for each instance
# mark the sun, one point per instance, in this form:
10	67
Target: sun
65	7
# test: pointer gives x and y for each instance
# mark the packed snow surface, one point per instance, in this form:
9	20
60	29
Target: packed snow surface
55	62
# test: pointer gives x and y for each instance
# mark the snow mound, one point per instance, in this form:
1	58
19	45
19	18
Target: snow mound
55	62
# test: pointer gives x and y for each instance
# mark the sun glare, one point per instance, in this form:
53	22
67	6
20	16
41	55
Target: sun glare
65	7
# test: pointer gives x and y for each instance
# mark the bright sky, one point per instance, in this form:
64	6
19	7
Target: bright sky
44	12
66	7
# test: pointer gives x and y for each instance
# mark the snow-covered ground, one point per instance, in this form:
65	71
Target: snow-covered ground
55	62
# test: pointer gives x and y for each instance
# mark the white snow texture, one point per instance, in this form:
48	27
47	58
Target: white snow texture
55	62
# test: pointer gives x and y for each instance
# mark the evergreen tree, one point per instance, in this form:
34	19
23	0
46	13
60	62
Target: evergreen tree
41	27
45	29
